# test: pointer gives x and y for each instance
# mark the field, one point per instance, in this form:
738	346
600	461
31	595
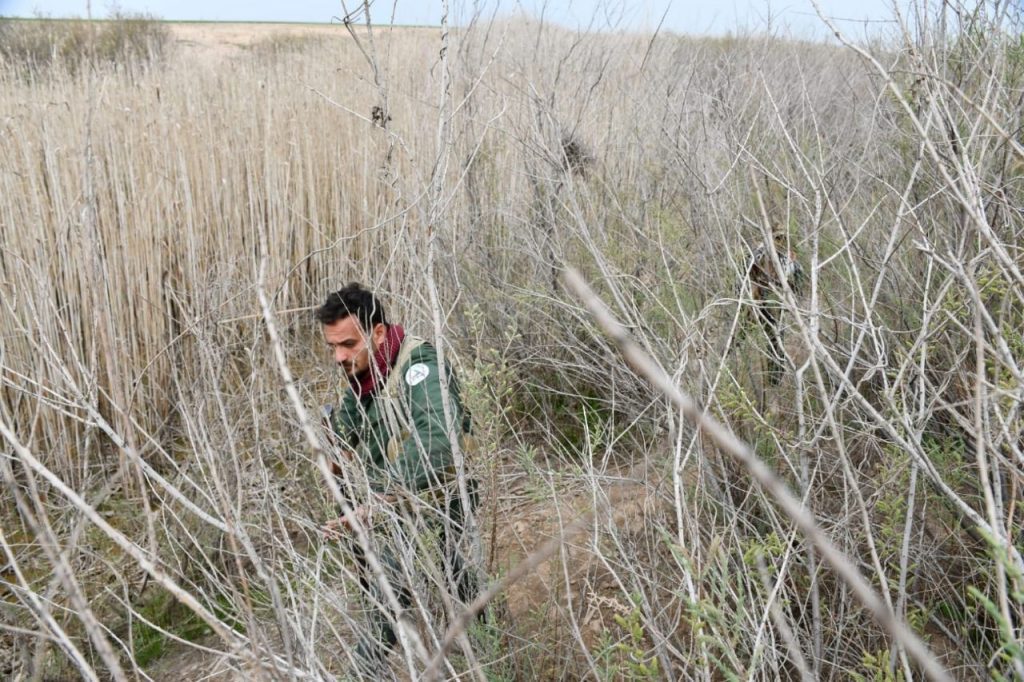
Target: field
759	475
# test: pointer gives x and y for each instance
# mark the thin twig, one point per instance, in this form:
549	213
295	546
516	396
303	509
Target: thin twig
644	365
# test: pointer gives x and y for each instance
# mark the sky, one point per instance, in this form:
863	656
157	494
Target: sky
704	17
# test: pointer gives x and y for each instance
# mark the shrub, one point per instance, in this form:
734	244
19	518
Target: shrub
32	46
278	44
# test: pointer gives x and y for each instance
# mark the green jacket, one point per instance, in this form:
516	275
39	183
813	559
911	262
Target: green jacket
399	432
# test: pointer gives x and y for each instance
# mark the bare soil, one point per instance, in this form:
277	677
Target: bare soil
523	523
213	42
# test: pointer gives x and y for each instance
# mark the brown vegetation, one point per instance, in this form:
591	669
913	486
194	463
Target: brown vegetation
156	479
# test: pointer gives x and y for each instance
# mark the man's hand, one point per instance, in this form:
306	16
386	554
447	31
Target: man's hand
335	529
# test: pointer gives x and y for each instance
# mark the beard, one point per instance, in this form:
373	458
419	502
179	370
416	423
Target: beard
353	369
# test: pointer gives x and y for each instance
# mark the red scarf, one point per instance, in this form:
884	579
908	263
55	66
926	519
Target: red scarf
383	360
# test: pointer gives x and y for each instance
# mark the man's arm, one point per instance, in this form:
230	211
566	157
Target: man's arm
425	456
343	440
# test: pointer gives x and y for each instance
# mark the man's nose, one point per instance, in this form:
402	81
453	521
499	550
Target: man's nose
340	356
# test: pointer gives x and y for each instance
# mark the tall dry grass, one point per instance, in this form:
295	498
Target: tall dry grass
30	47
147	209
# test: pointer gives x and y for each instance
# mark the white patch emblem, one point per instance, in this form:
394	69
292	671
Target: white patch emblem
416	374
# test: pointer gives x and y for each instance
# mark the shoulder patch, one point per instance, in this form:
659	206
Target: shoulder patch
416	373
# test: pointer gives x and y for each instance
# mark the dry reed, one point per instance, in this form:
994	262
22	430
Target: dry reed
165	228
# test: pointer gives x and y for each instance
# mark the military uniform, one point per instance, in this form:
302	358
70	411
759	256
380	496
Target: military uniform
399	435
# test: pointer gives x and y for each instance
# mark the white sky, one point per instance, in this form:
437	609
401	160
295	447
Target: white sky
681	16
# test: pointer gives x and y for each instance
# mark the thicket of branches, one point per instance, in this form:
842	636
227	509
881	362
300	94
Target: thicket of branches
165	229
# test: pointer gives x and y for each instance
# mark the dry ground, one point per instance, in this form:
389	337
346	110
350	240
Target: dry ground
213	42
523	516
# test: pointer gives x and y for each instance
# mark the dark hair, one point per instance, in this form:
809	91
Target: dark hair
353	299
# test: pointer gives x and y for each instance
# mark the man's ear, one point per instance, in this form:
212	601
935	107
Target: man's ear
380	331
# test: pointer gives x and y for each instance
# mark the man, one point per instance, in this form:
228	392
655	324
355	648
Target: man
764	290
395	436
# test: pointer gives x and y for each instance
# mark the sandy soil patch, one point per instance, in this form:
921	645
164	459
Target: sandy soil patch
217	40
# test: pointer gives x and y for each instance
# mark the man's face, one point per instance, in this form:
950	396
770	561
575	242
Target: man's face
351	347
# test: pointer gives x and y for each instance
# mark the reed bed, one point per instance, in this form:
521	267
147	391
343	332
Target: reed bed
166	227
